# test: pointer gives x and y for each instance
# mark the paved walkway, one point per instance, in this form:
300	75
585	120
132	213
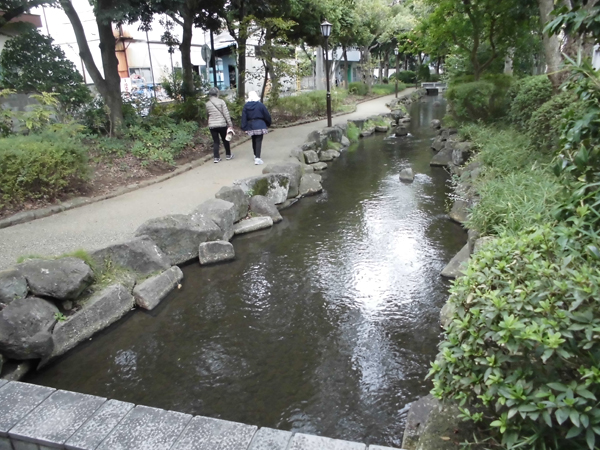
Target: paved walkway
99	224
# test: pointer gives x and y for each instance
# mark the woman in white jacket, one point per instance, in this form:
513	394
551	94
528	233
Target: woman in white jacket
218	122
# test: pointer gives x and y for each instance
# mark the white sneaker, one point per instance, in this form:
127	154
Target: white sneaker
258	161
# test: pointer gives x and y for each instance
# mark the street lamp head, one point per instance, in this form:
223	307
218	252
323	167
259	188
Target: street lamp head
326	29
396	51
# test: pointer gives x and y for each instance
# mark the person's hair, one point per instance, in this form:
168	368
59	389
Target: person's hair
213	92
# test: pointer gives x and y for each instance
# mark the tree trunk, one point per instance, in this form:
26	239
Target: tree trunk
186	54
110	86
269	63
110	63
346	66
438	63
380	74
508	62
551	45
264	88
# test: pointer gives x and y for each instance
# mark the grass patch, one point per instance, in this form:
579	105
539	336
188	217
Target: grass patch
518	188
352	132
333	145
387	89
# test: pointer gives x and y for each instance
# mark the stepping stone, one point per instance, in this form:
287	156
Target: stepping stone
204	433
56	419
308	442
17	400
147	428
154	290
270	439
215	251
458	264
95	430
319	166
253	224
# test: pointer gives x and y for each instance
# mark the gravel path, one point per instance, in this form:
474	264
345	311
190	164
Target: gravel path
98	224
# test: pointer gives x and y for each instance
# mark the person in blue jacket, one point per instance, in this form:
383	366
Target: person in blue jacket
255	122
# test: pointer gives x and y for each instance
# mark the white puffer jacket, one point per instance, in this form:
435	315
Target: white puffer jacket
218	114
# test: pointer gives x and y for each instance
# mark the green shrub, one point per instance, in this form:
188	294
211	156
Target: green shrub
479	100
190	110
352	132
94	116
527	96
522	348
423	73
387	89
358	88
405	76
547	122
40	166
161	139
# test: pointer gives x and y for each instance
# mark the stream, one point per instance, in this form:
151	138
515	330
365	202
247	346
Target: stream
325	324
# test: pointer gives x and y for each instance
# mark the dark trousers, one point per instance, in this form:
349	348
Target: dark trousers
257	144
216	132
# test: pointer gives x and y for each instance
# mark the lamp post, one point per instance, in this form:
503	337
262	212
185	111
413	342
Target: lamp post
397	70
326	31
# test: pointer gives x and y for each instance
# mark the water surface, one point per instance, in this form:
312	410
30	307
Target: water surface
325	324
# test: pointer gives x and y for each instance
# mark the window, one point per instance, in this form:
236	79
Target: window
141	75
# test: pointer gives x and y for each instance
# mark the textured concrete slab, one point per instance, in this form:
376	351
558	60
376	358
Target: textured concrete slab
99	426
253	224
204	433
270	439
308	442
146	428
458	264
17	400
56	419
3	382
379	447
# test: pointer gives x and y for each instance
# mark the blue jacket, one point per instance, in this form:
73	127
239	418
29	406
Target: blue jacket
255	116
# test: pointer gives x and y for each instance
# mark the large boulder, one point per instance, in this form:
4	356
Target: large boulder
417	417
274	186
320	139
13	286
345	141
253	224
407	175
293	169
401	130
310	184
311	157
152	291
334	134
25	328
458	264
62	279
460	210
436	124
317	167
438	144
446	134
329	155
297	153
98	312
215	251
442	158
262	206
461	153
221	212
178	236
140	255
397	114
238	197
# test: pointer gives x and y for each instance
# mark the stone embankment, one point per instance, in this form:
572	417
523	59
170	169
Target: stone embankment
432	425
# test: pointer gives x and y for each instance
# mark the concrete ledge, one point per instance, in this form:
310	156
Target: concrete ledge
41	418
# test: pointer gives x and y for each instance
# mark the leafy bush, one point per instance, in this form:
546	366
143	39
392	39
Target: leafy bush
406	76
94	116
387	89
190	110
522	347
423	73
40	166
161	139
527	96
31	63
479	100
547	122
358	88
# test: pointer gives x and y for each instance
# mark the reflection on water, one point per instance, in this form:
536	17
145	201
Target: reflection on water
324	324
